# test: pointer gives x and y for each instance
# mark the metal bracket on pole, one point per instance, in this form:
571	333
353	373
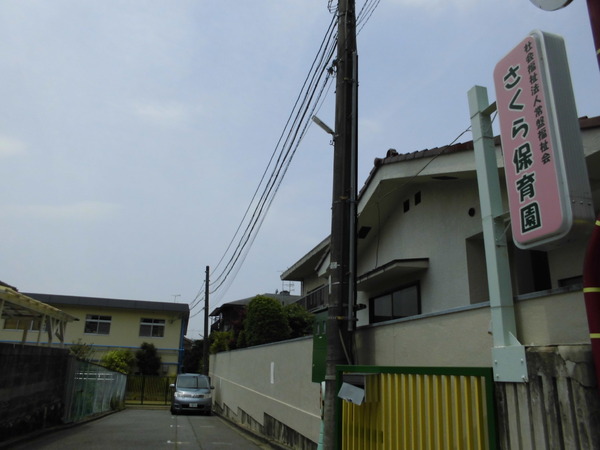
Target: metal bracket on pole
508	354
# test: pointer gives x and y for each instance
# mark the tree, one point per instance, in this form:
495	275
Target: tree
221	341
81	350
148	360
192	357
265	322
121	360
299	319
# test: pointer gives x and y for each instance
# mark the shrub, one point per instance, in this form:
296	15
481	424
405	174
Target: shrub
300	320
121	360
81	350
221	341
148	360
265	322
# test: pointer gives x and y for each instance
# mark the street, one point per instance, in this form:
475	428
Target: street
147	429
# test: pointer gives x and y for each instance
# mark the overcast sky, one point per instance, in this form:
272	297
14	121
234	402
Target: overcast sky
134	132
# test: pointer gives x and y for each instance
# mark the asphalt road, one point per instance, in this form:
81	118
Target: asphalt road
148	430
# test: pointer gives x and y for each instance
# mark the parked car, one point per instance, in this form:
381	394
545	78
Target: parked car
191	392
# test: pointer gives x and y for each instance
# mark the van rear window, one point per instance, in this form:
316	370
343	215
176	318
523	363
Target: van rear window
192	382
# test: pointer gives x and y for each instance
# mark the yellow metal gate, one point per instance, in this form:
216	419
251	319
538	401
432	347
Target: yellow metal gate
419	409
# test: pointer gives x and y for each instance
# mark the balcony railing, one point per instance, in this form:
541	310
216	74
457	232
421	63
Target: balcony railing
315	300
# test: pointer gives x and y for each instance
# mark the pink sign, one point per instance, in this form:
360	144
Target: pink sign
537	207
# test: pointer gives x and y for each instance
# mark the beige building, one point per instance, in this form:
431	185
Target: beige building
109	324
421	264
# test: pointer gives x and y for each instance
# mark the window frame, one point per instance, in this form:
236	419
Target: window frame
373	318
152	323
98	320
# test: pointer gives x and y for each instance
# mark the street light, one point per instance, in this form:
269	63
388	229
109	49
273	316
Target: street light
323	125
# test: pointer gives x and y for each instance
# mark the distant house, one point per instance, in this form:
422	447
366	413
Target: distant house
109	324
229	316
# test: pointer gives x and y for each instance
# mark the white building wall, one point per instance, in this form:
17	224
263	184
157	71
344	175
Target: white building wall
436	228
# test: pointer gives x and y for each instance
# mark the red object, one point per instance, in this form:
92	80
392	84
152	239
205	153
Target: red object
591	292
594	12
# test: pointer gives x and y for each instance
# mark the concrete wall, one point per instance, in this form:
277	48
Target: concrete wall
259	385
462	337
558	409
457	339
268	389
558	318
32	388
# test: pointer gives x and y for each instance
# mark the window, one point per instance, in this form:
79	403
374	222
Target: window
397	304
95	324
152	327
532	271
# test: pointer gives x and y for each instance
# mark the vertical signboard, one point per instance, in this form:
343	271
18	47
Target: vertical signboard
546	176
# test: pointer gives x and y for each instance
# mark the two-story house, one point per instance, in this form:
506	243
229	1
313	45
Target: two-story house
107	324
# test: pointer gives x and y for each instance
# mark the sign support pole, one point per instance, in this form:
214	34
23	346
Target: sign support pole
508	355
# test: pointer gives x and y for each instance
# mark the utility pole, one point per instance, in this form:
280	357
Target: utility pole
205	347
343	217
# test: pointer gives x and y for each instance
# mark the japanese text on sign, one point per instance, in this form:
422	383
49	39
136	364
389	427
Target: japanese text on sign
526	142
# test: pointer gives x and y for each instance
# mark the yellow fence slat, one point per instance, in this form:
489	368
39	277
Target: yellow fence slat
408	411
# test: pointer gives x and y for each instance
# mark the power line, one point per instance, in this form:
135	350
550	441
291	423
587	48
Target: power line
365	13
284	155
308	84
309	99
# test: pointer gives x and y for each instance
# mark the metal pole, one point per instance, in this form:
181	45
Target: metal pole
509	356
339	346
353	197
206	330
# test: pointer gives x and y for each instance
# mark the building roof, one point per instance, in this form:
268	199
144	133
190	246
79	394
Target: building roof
385	184
309	263
392	156
71	300
284	297
18	305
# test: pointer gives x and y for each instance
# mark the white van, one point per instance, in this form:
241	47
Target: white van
192	392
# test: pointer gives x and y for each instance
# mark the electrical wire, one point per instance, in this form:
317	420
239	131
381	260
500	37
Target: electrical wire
307	103
292	143
280	159
365	14
287	125
259	208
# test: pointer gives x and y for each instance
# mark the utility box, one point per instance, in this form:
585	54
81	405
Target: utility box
319	359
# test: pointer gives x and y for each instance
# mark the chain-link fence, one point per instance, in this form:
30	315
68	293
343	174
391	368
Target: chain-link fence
92	389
